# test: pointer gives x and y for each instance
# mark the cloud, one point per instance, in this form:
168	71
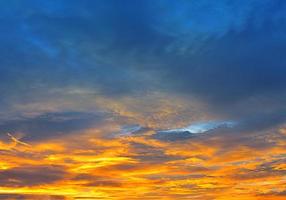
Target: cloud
130	130
98	181
52	124
249	125
177	133
275	194
31	176
191	131
202	127
148	70
29	197
226	55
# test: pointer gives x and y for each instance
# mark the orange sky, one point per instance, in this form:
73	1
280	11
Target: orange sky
89	166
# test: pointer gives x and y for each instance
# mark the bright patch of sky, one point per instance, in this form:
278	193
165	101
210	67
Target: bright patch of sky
202	127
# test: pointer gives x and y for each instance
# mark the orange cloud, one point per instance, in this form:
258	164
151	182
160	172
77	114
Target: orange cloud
88	166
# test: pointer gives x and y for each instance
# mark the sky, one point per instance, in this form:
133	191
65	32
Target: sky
142	99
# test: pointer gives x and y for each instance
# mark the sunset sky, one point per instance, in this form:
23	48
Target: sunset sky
142	100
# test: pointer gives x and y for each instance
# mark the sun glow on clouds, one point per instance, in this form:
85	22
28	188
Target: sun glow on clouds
87	166
142	100
117	158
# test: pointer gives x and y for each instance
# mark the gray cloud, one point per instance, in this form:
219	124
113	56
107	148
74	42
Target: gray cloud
31	176
52	124
10	196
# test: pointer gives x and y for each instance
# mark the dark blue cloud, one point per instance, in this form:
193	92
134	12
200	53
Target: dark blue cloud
51	125
228	54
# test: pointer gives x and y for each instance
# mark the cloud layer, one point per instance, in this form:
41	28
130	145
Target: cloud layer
142	99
